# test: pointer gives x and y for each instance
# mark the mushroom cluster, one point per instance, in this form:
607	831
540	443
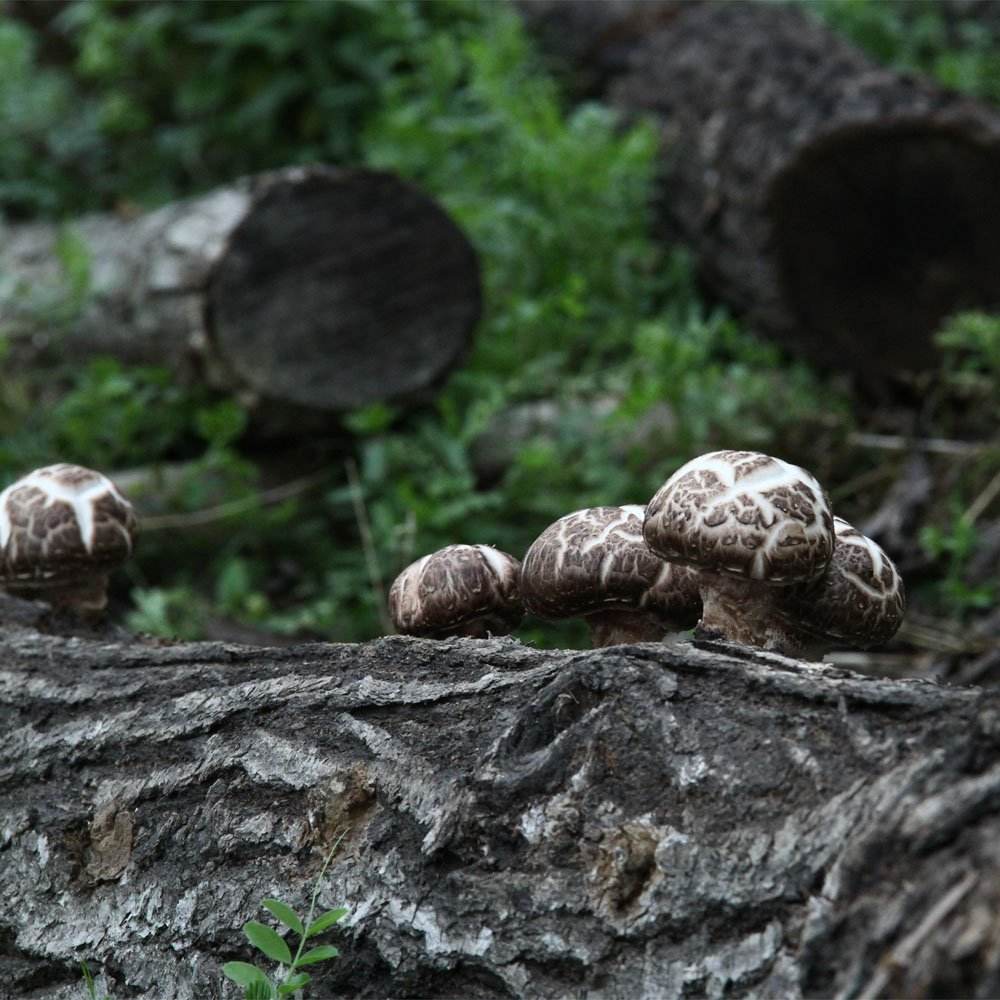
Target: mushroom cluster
776	569
741	543
63	528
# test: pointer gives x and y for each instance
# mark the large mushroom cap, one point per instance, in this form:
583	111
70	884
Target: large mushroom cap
860	599
458	590
62	524
743	514
596	559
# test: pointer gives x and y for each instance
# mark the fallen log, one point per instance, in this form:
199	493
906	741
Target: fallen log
844	208
317	288
659	820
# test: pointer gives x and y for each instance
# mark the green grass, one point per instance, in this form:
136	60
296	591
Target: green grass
962	51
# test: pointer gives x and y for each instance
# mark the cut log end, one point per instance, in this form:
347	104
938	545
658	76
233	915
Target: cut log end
307	291
881	233
382	311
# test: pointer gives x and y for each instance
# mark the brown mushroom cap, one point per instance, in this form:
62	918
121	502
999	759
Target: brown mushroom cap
458	590
61	525
594	560
859	600
743	514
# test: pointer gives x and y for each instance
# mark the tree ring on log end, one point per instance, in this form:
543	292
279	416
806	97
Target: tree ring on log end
919	206
340	288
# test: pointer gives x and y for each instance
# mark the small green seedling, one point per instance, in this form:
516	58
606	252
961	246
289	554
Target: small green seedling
91	985
256	983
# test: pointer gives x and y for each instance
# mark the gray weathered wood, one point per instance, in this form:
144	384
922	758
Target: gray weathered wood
648	821
320	288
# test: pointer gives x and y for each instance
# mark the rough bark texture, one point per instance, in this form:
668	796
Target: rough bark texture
644	821
844	208
325	289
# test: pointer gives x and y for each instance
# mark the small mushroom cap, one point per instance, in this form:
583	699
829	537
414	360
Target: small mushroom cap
442	593
595	560
860	599
63	523
743	514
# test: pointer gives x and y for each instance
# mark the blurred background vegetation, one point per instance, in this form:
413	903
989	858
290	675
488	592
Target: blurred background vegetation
595	336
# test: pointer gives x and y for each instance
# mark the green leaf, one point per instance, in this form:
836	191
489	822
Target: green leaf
285	914
259	991
244	974
325	920
89	980
222	423
232	588
320	954
267	940
74	256
295	983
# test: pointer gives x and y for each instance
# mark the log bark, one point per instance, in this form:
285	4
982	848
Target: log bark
659	820
845	209
319	288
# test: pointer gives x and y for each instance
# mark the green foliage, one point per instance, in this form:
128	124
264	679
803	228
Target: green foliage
149	101
288	979
50	304
256	983
556	203
970	345
953	544
45	127
967	396
961	51
179	612
112	417
964	401
89	983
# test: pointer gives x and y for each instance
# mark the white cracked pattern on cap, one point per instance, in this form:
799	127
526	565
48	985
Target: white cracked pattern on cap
62	522
860	598
459	584
595	559
743	514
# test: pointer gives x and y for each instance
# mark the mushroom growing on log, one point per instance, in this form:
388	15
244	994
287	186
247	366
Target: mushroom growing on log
859	601
465	590
754	526
313	288
63	528
593	564
652	822
846	209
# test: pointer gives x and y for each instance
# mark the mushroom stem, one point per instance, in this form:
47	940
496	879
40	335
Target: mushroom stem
478	628
85	597
613	627
743	611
